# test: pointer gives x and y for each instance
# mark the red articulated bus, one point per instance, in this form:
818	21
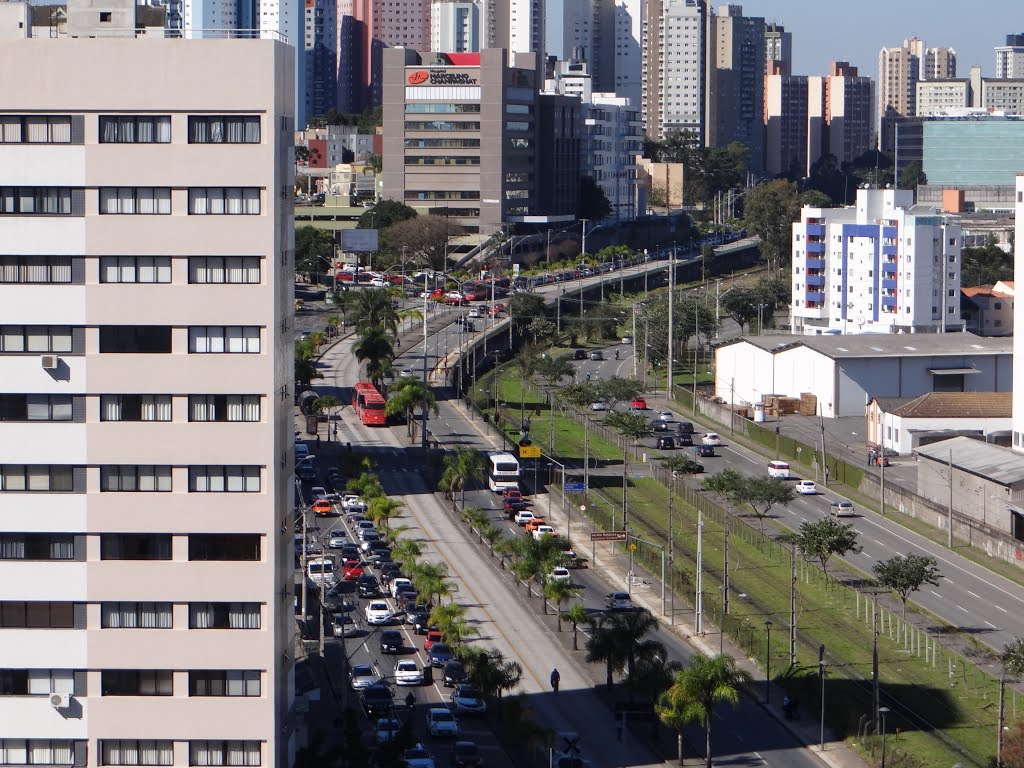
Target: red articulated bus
369	404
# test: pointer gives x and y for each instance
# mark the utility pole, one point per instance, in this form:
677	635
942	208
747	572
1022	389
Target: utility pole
1002	718
696	348
426	294
950	498
671	315
792	605
633	337
320	608
305	588
698	624
824	457
583	256
718	303
875	693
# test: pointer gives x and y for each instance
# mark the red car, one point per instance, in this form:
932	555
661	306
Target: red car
433	636
638	404
351	570
497	309
513	494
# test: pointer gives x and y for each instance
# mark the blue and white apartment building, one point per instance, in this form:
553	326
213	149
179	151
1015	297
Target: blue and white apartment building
878	267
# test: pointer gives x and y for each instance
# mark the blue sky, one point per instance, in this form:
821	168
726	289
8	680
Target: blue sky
856	31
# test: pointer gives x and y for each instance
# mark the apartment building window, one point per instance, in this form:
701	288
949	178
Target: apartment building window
135	546
219	269
137	682
135	200
35	339
136	752
44	270
135	477
224	200
142	339
216	339
36	408
35	201
224	753
443	108
219	682
36	478
224	546
224	616
135	269
135	129
36	682
135	408
37	752
39	614
224	408
35	129
129	615
217	479
223	129
37	546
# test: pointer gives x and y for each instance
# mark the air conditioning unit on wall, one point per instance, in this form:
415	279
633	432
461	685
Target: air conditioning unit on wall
60	700
49	362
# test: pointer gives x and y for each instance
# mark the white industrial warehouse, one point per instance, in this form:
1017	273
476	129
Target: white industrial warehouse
844	373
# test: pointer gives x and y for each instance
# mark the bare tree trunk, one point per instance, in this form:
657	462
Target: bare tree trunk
707	741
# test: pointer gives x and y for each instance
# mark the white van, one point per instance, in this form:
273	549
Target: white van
778	469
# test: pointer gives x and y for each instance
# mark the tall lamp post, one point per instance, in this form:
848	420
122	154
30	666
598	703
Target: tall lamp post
883	711
768	664
821	673
426	298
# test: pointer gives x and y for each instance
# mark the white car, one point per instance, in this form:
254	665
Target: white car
353	503
523	517
338	540
599	405
317	492
397	584
378	282
618	601
711	438
406	372
559	574
666	416
441	722
541	531
418	757
475	314
807	487
387	729
378	612
363	676
627	340
342	625
841	508
468	699
408	673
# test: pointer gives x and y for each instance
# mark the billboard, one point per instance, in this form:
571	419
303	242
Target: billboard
359	240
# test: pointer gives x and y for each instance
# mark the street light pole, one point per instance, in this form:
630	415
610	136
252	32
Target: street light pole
768	664
671	315
426	294
821	673
883	711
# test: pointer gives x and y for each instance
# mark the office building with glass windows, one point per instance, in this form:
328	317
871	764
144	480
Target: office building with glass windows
146	265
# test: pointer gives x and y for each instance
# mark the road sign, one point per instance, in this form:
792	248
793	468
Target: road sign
575	488
608	536
529	452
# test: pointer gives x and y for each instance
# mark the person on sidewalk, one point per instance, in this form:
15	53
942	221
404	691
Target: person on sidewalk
555	680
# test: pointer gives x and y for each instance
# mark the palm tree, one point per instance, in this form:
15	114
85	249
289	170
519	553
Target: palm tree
407	551
489	671
451	621
460	467
632	427
373	309
327	403
630	629
409	395
576	615
374	348
558	592
525	364
693	696
604	646
381	509
430	581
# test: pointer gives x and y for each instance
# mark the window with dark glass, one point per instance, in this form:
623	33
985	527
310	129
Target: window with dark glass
36	478
142	339
220	682
37	546
135	546
224	546
137	682
35	129
35	201
40	614
135	477
35	407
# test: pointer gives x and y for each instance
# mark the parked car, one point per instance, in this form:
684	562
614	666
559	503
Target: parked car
441	722
342	625
433	636
841	508
807	487
468	700
387	729
396	583
618	601
350	502
421	623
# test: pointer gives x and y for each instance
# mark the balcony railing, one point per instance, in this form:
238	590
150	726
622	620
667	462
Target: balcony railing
815	247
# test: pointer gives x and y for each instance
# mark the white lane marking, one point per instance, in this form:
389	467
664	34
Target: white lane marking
949	579
972	594
962	608
935	593
879	543
1002	609
991	625
728	448
866	555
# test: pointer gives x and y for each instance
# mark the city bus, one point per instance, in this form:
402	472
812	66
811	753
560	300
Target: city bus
502	471
368	404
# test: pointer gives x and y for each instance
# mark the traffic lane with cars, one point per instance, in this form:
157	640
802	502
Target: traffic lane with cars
762	741
998	616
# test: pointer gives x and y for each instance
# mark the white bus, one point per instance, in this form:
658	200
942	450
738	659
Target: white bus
502	471
778	469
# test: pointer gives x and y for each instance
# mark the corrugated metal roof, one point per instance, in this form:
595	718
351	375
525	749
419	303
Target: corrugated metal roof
957	405
885	344
1002	465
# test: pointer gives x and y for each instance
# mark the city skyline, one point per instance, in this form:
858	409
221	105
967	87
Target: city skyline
973	35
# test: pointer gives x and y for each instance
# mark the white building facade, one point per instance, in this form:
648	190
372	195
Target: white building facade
146	370
674	68
1010	58
875	268
455	26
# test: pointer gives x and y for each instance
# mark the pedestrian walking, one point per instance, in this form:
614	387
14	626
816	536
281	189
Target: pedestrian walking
318	441
555	680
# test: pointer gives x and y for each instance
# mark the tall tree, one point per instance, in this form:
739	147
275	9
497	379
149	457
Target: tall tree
409	394
913	175
374	348
692	698
985	265
741	304
905	575
461	466
558	592
769	212
374	309
604	648
384	214
593	204
821	539
314	250
761	494
424	238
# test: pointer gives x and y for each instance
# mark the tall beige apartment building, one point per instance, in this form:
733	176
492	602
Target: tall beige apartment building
146	599
899	70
